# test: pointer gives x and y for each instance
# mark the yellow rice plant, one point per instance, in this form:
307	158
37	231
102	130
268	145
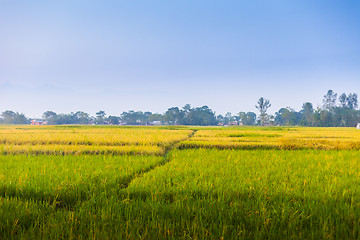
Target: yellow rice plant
275	138
111	136
81	149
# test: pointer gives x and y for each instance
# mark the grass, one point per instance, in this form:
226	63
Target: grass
67	179
275	138
63	140
63	149
215	183
78	135
256	194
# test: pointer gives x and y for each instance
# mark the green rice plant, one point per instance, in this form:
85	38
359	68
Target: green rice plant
67	179
272	194
67	182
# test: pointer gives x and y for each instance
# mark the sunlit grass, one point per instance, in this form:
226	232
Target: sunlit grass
256	194
78	135
57	149
275	138
67	178
90	182
88	140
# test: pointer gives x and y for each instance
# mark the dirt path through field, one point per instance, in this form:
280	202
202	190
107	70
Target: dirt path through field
165	160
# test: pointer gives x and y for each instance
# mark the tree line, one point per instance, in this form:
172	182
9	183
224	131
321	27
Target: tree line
336	111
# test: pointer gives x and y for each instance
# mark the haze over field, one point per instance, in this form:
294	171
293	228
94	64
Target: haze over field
151	55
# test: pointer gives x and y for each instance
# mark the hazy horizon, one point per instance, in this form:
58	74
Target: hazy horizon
149	56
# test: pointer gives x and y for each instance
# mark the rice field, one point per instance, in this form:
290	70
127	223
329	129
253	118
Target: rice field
63	140
275	138
84	182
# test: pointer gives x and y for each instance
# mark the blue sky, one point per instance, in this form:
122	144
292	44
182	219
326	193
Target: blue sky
151	55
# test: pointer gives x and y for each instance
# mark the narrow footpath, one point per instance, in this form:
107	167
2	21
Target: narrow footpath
126	182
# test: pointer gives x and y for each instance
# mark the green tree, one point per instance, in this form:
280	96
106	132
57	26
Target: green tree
228	118
82	117
156	117
113	120
100	115
10	117
352	101
202	116
329	101
263	105
287	116
307	112
326	119
248	118
135	118
48	115
174	116
343	100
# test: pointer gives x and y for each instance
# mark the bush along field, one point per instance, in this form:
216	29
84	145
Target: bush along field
78	182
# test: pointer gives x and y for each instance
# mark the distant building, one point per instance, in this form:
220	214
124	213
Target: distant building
121	122
37	122
155	123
